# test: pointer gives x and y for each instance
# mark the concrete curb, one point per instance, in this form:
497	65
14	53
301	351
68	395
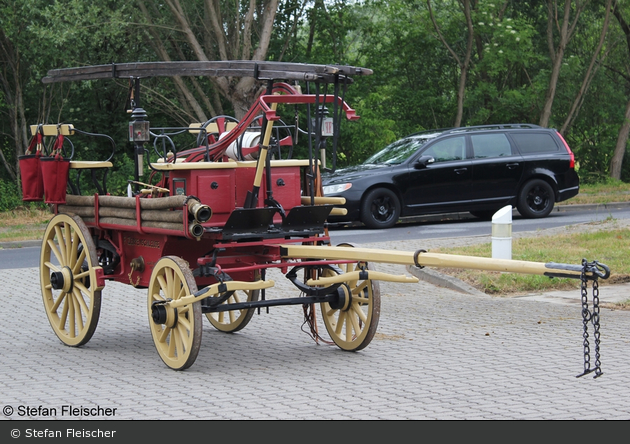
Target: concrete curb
20	244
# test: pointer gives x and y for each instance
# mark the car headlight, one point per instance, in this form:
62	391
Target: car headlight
336	189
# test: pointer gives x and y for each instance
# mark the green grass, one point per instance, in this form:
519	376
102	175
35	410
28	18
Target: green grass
601	193
608	246
26	223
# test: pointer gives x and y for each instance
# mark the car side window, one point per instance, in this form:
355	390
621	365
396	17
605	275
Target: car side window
453	148
490	145
531	143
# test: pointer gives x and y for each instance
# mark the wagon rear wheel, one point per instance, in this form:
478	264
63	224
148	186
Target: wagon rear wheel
176	331
353	321
235	320
67	266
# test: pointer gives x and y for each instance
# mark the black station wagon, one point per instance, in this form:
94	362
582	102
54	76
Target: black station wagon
479	169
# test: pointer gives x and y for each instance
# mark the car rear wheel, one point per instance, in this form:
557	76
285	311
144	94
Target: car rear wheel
536	199
380	208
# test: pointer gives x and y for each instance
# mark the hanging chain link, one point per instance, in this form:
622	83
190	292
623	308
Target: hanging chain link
593	317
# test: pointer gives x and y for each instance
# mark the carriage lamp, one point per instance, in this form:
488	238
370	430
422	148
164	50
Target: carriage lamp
138	134
139	126
326	128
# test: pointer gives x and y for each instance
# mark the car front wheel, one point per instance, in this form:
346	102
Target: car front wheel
380	208
536	199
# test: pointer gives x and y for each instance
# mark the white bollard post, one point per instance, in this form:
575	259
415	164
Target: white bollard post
502	233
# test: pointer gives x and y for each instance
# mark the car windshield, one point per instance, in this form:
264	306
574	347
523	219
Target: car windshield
399	151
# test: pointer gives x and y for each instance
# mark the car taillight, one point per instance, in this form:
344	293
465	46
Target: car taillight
566	145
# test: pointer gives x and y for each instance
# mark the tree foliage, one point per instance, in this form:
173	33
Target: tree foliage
437	63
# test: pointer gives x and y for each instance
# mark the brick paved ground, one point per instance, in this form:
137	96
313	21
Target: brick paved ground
438	354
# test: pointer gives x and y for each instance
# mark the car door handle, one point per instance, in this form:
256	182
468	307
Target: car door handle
511	166
460	170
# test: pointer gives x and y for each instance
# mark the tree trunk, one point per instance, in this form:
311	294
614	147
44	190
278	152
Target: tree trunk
620	147
186	96
622	138
463	65
10	83
461	93
566	31
588	76
242	92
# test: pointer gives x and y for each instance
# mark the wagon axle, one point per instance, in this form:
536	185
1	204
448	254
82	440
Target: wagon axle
340	299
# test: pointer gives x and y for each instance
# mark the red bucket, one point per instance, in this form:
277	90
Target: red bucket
55	172
31	175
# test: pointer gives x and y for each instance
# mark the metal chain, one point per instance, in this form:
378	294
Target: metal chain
595	318
587	317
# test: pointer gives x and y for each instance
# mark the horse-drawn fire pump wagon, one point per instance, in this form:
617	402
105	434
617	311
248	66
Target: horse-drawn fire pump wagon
216	217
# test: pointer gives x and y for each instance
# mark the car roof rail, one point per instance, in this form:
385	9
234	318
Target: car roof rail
430	131
463	129
494	126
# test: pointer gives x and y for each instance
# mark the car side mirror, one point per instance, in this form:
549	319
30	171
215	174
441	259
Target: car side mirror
423	162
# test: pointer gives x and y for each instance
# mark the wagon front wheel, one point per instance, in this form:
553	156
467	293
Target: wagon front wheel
176	331
68	275
352	321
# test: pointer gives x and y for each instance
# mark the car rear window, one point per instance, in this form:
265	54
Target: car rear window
490	145
530	143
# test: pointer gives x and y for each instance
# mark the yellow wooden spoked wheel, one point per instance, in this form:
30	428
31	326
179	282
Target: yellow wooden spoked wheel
67	267
176	331
353	320
235	320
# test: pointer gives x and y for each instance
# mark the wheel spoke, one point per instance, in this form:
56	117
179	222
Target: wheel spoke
67	239
360	300
359	312
163	284
340	322
82	275
79	297
55	306
78	314
184	333
171	343
51	266
156	297
358	289
163	335
181	293
183	322
55	251
78	262
62	246
71	316
348	330
354	321
72	252
64	312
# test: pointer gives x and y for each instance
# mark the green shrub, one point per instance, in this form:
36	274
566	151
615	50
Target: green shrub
10	196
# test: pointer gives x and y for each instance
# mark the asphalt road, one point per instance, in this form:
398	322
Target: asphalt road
464	225
453	225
